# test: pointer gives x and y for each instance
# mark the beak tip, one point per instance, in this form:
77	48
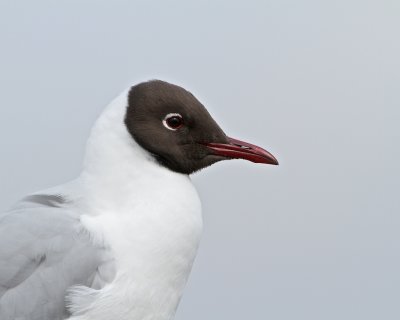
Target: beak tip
272	161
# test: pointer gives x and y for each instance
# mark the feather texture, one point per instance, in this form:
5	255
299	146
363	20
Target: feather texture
44	251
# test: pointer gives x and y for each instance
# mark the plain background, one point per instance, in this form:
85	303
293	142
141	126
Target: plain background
315	82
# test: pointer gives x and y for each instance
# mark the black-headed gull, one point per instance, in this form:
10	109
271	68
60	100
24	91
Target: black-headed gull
119	241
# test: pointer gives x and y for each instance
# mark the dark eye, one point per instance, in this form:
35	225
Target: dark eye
173	121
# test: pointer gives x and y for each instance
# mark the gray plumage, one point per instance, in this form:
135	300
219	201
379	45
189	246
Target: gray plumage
44	252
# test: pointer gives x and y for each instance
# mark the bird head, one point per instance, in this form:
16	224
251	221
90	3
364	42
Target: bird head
173	126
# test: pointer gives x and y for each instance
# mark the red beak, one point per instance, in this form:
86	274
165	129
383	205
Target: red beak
237	149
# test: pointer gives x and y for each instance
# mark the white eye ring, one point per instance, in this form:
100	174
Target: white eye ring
169	116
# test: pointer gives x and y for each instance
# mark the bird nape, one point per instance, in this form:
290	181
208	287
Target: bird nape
119	241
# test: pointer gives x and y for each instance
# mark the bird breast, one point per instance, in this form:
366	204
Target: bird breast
154	241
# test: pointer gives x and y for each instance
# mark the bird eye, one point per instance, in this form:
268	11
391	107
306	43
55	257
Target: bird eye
173	121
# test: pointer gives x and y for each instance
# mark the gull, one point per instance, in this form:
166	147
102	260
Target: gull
119	241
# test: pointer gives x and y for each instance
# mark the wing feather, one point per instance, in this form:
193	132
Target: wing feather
44	253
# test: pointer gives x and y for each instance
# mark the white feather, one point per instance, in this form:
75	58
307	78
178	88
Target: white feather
150	218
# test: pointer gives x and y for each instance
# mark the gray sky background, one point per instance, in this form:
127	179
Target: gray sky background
315	82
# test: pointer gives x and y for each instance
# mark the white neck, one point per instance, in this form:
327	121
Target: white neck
149	216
